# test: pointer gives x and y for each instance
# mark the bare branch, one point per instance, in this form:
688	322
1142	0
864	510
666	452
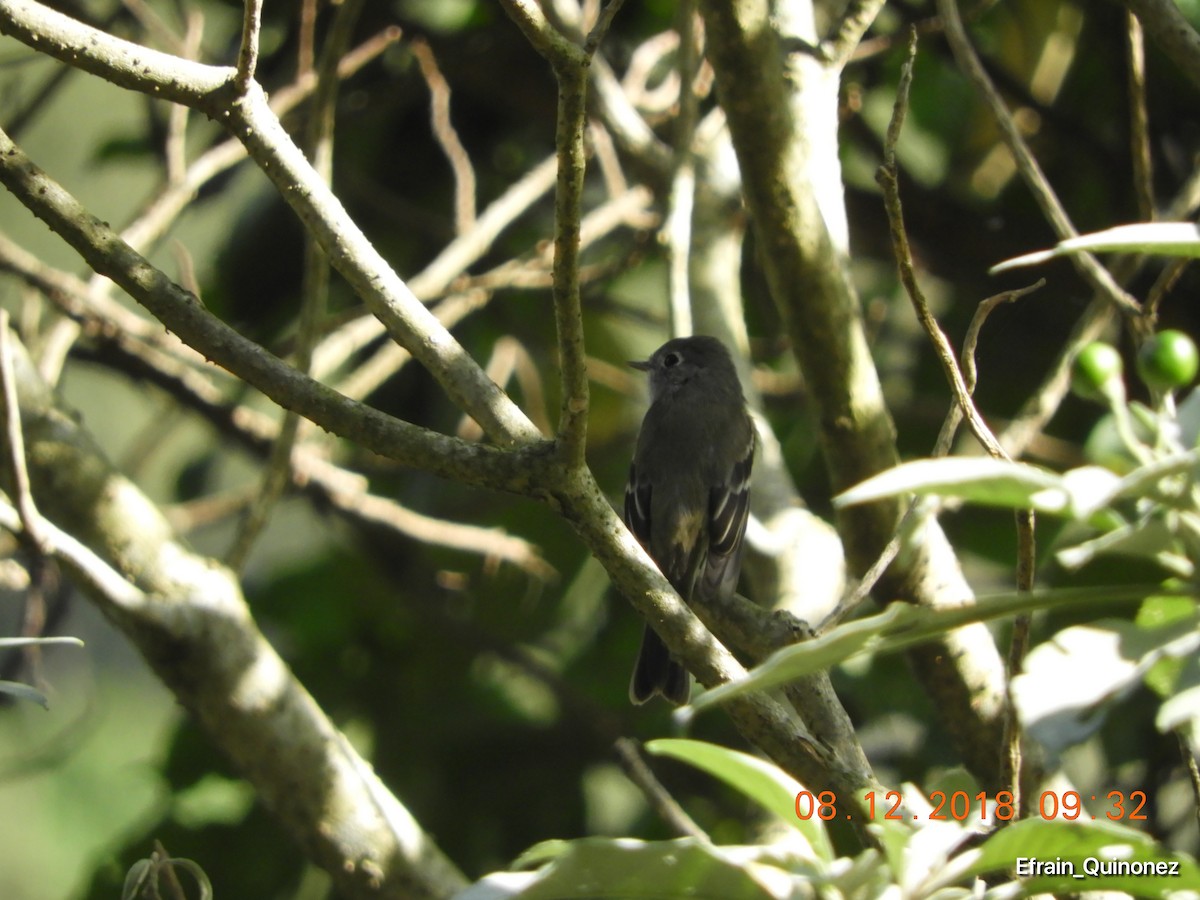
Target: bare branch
1139	118
629	754
122	62
570	65
677	230
249	117
447	137
31	521
248	51
314	290
106	253
1169	28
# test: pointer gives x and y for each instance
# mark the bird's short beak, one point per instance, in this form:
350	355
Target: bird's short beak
642	365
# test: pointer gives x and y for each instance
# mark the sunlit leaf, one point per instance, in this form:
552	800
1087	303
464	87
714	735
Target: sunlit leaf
902	625
979	479
1164	238
1068	682
1149	539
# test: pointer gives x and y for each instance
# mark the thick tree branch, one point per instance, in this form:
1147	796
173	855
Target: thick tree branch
124	63
187	616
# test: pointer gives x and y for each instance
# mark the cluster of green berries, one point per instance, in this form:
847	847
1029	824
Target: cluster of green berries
1166	362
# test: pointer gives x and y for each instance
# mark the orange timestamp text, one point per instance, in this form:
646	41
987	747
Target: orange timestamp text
961	806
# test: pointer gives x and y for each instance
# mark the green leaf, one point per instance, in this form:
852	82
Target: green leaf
1164	238
1079	493
763	782
802	659
1142	481
1149	539
979	479
1077	841
623	867
902	625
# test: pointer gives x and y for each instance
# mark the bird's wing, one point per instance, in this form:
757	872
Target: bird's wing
728	511
675	544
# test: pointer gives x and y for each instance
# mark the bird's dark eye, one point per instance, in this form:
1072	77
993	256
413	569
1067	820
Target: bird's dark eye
672	359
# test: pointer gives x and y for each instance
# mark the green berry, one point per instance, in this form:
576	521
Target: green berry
1095	367
1168	360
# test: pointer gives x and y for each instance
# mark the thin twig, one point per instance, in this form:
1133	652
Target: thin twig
609	162
510	357
306	41
570	65
1018	649
87	569
1163	284
603	23
156	27
453	260
447	137
677	229
887	177
247	61
277	474
625	123
31	520
945	439
1139	120
538	30
962	382
1166	24
1189	761
175	145
985	309
666	807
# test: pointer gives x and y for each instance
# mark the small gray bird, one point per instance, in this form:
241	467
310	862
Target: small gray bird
688	494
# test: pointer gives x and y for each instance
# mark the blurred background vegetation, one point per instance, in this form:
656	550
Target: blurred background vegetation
423	654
